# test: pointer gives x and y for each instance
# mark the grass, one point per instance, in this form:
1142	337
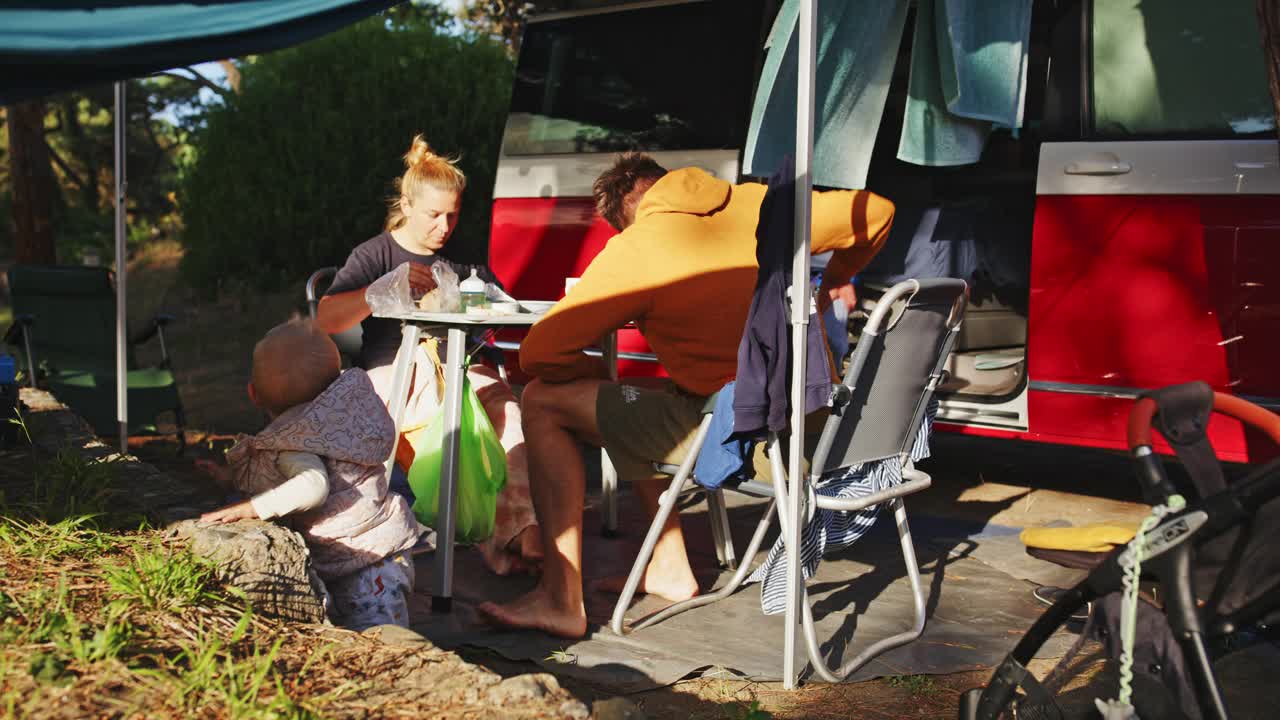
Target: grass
39	540
914	684
162	580
69	486
82	608
205	673
747	712
101	617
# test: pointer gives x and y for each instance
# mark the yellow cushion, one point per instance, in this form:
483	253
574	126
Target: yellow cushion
1087	538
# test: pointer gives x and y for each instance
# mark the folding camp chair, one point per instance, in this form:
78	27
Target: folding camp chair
349	341
65	325
898	362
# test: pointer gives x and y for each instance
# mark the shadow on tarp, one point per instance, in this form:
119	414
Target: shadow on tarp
976	612
996	545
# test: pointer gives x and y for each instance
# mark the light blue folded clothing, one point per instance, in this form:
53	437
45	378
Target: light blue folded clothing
725	457
857	45
968	71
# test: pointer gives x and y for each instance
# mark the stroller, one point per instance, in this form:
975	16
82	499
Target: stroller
1194	548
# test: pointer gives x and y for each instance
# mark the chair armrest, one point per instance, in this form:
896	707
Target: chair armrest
157	323
13	336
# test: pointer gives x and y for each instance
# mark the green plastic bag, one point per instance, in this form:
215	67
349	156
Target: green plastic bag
482	470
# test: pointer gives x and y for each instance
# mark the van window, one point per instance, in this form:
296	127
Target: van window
673	77
1179	68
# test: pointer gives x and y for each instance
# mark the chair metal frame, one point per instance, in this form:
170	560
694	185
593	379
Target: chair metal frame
879	324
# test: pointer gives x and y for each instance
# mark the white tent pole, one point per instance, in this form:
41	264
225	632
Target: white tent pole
806	30
122	385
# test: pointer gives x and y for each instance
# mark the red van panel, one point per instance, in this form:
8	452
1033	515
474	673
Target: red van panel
535	243
1133	292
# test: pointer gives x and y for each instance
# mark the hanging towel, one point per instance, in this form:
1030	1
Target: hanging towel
857	45
932	134
982	57
831	530
725	457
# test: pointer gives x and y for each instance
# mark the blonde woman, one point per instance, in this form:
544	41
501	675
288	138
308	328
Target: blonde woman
420	221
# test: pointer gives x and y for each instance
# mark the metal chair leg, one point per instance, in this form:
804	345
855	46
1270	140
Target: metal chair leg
666	504
721	534
913	574
730	587
917	595
608	496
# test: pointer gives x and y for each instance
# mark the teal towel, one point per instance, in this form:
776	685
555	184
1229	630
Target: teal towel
968	71
982	57
857	44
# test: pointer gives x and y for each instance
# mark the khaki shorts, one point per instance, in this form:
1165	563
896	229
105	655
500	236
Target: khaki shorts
641	426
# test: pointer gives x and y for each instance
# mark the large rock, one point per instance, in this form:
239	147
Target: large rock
269	562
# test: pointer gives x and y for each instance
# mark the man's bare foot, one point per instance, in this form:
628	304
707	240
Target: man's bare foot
666	587
536	611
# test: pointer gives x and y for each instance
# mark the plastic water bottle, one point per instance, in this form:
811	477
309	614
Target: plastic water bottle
8	399
472	292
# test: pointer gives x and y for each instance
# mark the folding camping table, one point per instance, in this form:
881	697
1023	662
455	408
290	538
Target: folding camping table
413	325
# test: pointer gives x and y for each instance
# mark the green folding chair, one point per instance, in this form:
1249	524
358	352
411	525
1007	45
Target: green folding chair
64	327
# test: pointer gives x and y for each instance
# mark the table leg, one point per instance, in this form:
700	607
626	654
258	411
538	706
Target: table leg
608	475
401	374
442	578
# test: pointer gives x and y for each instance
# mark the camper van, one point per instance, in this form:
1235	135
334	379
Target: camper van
1126	237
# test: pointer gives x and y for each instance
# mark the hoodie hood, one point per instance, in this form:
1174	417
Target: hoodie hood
691	191
347	423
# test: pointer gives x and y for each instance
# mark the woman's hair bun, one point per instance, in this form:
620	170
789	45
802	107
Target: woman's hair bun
419	151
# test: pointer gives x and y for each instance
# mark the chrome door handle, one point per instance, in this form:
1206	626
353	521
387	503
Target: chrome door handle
1102	163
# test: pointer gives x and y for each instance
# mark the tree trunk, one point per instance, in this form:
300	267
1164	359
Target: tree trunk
31	178
233	75
1269	23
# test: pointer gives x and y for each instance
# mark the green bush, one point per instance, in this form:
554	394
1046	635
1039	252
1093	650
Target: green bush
295	171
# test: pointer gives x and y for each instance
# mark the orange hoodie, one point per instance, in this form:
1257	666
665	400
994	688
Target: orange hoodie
684	272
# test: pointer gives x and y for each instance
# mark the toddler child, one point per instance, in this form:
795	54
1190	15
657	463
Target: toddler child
320	462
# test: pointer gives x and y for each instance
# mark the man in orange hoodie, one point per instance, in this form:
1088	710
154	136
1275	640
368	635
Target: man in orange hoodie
683	269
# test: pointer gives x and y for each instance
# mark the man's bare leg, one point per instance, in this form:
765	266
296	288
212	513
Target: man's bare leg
556	417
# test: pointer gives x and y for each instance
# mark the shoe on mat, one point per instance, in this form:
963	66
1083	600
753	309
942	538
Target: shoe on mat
1050	595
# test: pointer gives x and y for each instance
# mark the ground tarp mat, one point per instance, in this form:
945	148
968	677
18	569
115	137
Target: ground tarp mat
976	612
996	545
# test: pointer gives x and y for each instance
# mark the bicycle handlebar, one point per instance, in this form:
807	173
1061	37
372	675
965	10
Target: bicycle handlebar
1144	411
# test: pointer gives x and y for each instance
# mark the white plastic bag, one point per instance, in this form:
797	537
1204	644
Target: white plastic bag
391	293
445	298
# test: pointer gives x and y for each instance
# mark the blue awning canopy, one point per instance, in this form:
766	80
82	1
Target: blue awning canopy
49	46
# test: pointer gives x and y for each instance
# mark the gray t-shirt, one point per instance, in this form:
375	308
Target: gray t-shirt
369	261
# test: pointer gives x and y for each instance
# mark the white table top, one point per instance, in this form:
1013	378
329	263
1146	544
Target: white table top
517	319
538	309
